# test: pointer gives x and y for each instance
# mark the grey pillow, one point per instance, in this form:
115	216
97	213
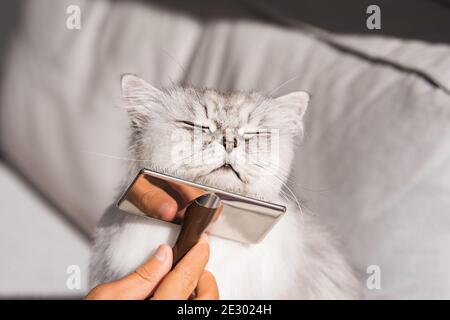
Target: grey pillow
374	164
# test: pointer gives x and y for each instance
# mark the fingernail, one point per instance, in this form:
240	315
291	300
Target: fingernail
165	210
204	238
160	254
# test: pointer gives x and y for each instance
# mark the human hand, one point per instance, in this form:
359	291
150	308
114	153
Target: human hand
154	280
160	202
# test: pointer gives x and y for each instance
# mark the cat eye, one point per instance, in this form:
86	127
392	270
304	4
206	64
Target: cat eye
258	133
263	132
192	125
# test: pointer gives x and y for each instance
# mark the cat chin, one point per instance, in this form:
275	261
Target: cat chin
226	179
223	179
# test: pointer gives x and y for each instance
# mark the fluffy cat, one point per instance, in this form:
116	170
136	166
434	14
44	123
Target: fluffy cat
298	259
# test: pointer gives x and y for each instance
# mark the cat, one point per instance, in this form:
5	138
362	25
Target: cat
299	258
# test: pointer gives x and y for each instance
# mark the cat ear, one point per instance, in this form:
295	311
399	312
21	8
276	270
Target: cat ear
133	86
289	110
139	97
296	101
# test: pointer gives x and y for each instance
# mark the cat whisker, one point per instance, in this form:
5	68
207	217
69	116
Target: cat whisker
284	185
191	157
113	157
286	175
271	93
260	110
283	84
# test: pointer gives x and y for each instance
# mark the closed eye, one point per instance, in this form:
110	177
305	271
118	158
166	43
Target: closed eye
258	132
192	125
249	134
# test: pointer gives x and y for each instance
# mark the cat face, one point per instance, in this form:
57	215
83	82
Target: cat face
241	142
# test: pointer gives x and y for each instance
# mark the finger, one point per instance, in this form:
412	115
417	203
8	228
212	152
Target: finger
183	279
207	287
187	193
141	284
152	200
217	213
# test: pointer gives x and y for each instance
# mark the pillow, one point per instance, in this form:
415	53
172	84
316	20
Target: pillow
375	160
373	163
59	118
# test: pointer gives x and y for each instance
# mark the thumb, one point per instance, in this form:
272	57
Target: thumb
142	283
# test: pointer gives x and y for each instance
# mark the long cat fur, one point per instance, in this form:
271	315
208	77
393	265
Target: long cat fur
299	258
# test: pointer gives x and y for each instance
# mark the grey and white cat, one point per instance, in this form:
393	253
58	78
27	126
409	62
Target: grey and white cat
298	259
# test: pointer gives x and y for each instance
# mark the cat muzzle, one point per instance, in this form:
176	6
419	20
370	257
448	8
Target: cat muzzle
202	208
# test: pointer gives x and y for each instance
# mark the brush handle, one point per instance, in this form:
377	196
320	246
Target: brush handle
197	218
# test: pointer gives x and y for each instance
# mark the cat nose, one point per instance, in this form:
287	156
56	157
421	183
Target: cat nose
229	143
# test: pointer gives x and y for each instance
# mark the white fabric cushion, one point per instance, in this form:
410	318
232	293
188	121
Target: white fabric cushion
37	245
377	137
60	120
374	163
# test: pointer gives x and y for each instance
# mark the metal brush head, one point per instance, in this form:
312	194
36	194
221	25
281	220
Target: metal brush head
239	218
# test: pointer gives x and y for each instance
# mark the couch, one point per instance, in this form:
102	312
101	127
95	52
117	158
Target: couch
374	164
